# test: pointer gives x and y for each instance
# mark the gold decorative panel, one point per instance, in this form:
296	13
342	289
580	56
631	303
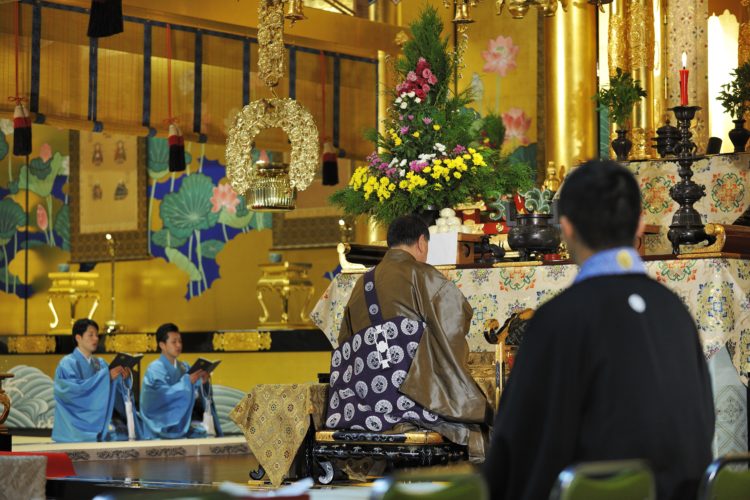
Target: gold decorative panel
31	344
241	341
130	342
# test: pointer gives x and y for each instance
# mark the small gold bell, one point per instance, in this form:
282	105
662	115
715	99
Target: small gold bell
518	8
548	7
462	14
294	12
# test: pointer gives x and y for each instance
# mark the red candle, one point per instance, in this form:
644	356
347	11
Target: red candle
684	72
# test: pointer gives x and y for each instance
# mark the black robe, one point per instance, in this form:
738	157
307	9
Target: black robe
610	369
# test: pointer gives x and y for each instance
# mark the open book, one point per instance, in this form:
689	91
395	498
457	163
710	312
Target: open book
204	364
126	360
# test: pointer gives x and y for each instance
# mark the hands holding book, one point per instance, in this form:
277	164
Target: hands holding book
202	374
119	370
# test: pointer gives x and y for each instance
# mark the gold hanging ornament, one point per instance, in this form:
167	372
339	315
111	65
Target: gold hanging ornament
271	42
272	186
292	118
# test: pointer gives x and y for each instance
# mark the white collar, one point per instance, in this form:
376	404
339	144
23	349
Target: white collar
88	358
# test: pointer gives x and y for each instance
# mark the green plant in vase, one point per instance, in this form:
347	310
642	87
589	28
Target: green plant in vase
436	152
618	98
734	98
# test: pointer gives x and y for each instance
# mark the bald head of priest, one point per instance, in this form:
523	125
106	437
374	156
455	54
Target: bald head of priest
612	368
403	354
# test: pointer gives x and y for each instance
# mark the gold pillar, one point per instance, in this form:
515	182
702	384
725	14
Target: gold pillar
637	44
658	98
641	54
570	84
744	37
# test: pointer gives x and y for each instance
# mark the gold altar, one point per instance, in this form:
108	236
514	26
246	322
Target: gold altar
286	280
73	287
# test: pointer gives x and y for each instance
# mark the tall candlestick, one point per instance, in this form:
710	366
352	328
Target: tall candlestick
684	72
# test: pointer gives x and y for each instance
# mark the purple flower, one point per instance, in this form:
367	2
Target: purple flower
411	76
427	120
390	171
459	150
410	117
417	166
404	130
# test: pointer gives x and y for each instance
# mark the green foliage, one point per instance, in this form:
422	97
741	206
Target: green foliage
11	217
180	260
435	150
211	248
735	95
620	96
189	209
40	176
62	226
165	239
427	43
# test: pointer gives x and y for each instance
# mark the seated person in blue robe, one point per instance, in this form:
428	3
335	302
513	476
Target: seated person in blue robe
92	402
175	403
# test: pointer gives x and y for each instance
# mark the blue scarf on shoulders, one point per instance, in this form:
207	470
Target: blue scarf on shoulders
614	261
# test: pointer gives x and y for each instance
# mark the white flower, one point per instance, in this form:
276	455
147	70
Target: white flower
398	100
403	163
6	126
403	105
393	162
411	94
417	100
401	172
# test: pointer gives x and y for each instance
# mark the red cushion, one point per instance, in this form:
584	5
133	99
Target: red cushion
58	464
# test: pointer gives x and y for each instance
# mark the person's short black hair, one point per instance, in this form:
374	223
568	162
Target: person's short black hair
406	230
162	333
81	325
602	200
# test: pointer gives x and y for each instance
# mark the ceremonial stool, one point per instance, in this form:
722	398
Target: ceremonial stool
409	449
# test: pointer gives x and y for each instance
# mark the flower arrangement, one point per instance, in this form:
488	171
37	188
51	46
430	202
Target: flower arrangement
435	151
620	96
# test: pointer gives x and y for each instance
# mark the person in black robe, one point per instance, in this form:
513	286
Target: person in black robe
610	369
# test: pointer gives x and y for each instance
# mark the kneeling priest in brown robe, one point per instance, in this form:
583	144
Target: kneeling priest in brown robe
401	363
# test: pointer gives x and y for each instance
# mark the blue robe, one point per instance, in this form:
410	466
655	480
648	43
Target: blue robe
167	400
85	398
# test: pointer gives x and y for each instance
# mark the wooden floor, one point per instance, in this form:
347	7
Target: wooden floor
204	470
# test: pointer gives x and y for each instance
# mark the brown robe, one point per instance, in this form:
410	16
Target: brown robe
439	377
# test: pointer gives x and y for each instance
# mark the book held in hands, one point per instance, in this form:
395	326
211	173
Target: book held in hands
204	364
126	360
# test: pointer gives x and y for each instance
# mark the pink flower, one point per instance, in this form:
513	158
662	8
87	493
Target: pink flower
41	218
432	80
420	93
404	130
427	74
224	197
410	117
516	123
45	152
427	120
500	56
425	88
411	76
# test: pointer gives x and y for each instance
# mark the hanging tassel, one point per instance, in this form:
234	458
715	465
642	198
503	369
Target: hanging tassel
330	165
21	120
105	18
176	149
21	131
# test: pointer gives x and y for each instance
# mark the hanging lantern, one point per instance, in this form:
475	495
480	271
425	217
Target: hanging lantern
272	190
273	183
